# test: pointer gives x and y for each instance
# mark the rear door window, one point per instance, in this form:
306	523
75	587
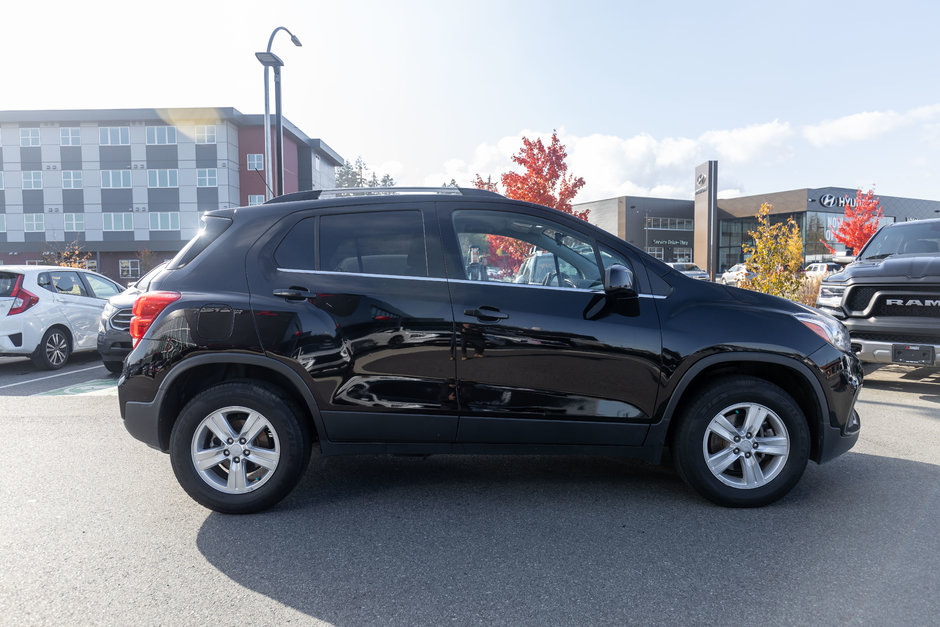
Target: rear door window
386	243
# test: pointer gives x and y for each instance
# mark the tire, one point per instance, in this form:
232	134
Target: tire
208	429
114	367
743	442
53	350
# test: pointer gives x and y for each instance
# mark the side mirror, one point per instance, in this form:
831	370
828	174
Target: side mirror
618	280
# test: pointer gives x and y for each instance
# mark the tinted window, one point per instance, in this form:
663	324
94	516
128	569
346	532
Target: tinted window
387	242
7	283
518	248
214	226
296	250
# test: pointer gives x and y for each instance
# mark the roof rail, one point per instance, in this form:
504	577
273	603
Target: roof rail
353	192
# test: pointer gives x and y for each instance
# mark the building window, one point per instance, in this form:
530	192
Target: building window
129	268
36	262
670	224
3	222
255	161
29	137
255	199
165	221
74	221
117	221
71	179
70	136
115	179
32	179
162	178
316	163
161	135
205	134
656	251
1	180
34	222
683	255
91	264
114	136
206	177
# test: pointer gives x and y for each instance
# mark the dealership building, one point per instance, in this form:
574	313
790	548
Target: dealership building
710	231
129	185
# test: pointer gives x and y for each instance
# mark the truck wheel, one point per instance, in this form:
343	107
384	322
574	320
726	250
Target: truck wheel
743	443
238	448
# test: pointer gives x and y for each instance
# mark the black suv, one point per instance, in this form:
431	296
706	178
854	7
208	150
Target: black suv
392	323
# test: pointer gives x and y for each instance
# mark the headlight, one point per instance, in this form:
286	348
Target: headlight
828	328
830	296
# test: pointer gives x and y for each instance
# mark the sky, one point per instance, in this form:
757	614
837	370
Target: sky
784	95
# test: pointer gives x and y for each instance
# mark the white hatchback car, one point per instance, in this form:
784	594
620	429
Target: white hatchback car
48	312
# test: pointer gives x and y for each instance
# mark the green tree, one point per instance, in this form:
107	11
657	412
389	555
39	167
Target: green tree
775	257
346	175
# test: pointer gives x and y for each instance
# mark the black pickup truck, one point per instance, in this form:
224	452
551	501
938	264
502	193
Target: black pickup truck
889	298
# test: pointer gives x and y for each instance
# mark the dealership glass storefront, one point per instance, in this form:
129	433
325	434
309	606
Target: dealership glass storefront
815	226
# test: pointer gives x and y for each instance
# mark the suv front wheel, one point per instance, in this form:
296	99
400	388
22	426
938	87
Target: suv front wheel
238	448
743	442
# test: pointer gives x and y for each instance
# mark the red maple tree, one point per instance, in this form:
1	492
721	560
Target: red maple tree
545	181
860	222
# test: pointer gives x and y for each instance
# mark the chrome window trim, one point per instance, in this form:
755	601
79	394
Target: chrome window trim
445	280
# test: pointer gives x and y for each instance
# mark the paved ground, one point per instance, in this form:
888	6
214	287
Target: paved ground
94	530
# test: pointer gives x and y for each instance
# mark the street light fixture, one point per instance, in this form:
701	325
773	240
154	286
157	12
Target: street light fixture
269	60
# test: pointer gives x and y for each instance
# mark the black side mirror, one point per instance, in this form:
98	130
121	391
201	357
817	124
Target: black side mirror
618	280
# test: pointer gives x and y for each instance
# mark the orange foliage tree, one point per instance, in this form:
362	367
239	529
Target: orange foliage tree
860	223
545	181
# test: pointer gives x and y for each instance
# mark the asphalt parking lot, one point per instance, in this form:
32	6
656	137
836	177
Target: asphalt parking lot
95	530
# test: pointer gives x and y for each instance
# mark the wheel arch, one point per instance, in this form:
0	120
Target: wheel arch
201	372
792	376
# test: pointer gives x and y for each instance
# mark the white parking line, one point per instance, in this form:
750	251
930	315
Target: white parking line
51	376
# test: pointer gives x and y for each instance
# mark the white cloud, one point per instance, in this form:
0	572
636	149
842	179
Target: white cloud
855	127
643	165
745	144
867	125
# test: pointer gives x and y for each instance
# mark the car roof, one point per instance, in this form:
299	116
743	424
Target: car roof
34	268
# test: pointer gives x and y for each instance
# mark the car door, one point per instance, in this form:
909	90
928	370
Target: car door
543	355
75	303
357	299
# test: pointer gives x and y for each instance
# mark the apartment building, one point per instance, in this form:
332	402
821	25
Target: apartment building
129	185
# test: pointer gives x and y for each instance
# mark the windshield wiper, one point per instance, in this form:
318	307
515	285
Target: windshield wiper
881	256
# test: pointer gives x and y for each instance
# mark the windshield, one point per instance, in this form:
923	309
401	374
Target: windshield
909	238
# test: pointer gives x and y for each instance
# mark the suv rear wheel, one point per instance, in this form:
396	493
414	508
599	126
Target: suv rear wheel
743	443
238	448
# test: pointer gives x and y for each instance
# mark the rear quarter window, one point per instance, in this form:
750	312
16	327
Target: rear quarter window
7	283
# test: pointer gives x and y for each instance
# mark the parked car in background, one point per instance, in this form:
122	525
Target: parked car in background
823	268
49	312
359	325
114	336
689	270
734	275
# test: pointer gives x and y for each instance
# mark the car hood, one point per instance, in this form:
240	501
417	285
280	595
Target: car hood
124	300
896	266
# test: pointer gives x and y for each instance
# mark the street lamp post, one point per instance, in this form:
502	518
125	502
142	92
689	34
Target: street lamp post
269	60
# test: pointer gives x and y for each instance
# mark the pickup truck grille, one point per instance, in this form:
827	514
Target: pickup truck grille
121	320
913	301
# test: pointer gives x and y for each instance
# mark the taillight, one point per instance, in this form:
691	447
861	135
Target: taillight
22	299
146	309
